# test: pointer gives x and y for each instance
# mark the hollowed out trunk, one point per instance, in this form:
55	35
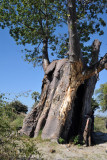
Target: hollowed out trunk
77	112
61	108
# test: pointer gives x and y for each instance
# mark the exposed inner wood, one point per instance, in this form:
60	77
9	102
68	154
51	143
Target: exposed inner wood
67	89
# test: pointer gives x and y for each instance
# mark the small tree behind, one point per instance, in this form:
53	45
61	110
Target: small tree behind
19	107
68	83
36	96
102	96
94	104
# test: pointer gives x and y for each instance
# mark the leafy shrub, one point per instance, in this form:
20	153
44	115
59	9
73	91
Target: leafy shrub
19	107
94	104
102	96
75	140
61	140
6	116
13	146
18	122
99	124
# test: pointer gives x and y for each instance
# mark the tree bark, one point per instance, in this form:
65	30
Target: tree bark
74	45
45	58
64	99
89	85
65	87
91	81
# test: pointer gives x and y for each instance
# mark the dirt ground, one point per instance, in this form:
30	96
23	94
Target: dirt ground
54	151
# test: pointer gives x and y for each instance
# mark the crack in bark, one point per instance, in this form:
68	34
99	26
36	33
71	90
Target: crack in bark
55	111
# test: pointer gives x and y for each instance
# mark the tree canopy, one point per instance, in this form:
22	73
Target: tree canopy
36	96
68	83
37	23
3	101
94	104
18	106
102	96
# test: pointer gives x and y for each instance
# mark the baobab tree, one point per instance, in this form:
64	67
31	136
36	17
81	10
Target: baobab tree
67	89
68	83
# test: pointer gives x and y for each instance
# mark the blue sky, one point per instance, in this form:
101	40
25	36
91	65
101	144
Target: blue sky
17	76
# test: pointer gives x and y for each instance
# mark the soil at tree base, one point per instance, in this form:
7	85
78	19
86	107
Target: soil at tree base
54	151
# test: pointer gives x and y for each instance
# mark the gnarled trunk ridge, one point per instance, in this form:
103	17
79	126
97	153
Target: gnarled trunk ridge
67	89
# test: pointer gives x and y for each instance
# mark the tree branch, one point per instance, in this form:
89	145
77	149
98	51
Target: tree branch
40	22
45	58
96	68
95	51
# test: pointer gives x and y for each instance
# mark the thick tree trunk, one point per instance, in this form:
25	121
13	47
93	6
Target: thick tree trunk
58	94
67	89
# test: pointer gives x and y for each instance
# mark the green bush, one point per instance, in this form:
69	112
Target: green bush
16	147
99	124
18	122
18	106
6	116
12	145
75	140
61	141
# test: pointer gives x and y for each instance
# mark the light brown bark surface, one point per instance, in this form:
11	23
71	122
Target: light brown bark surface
66	96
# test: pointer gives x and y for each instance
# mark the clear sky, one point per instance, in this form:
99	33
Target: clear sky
17	76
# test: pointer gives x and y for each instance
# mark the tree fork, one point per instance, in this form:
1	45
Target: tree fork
64	80
60	84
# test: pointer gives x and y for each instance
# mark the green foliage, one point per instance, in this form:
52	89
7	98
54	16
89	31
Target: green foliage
18	122
61	140
76	140
2	100
99	124
13	146
18	106
36	96
6	116
30	22
89	22
28	148
102	96
94	104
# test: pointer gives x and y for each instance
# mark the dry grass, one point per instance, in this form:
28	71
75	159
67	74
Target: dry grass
99	124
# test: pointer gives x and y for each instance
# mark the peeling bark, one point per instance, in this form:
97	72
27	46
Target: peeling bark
67	87
65	98
52	89
30	121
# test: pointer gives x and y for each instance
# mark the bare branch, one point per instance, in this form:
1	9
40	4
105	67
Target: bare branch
96	68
